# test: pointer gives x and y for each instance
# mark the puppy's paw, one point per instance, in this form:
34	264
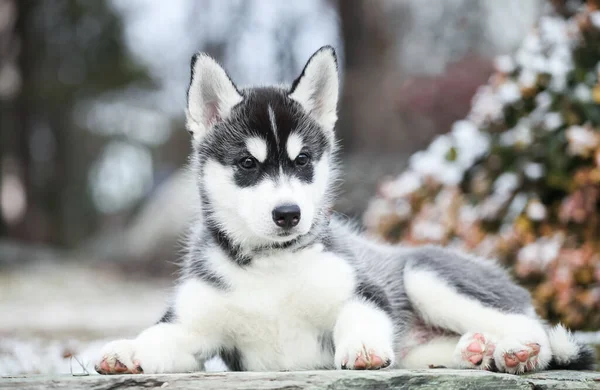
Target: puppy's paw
149	357
119	357
364	355
475	351
514	357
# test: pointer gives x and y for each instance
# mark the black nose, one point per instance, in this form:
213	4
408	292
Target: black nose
286	216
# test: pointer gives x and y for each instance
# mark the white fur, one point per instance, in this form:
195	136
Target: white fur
318	89
563	344
294	146
211	96
276	309
442	306
251	222
160	348
437	352
257	147
273	123
362	328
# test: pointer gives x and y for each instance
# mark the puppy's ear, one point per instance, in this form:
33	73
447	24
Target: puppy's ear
211	96
317	88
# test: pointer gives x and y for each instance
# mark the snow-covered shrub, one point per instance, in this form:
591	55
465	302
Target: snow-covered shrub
519	178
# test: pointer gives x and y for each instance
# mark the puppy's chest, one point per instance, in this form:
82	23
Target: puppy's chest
301	285
284	313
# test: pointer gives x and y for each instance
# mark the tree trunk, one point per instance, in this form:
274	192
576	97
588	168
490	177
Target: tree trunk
369	118
13	146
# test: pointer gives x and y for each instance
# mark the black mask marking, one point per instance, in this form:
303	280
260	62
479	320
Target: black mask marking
227	140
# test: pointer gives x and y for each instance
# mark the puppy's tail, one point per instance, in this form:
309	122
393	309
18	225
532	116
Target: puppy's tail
567	353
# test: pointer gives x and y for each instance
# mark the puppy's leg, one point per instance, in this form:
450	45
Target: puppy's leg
435	352
363	337
519	340
193	332
161	348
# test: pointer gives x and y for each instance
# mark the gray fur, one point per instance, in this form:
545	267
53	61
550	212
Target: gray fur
317	293
381	269
385	265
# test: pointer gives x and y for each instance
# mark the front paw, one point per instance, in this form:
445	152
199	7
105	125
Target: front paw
119	357
364	355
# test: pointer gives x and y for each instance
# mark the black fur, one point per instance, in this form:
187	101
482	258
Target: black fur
200	269
233	251
232	359
169	316
192	66
374	294
228	247
249	118
326	341
585	360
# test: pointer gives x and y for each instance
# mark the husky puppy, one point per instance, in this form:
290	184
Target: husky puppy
273	281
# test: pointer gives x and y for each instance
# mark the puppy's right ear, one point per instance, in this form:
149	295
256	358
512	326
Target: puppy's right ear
317	88
210	97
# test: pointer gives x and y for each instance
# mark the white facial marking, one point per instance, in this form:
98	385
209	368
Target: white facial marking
294	145
246	214
257	148
273	123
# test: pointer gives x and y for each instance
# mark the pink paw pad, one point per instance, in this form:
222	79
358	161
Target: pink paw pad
117	367
367	361
526	357
478	350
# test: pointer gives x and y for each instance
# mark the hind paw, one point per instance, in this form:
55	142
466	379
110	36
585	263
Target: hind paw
475	351
516	358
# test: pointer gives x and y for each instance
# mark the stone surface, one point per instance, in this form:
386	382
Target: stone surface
435	379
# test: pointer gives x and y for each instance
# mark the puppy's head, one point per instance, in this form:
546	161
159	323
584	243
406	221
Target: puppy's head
264	155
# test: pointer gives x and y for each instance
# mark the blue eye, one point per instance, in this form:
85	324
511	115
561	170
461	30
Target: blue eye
248	163
302	159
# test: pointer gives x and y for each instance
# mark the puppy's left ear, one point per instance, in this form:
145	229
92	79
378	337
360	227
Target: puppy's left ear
317	88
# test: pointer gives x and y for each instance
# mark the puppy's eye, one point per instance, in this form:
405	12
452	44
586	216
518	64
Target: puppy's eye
248	163
302	159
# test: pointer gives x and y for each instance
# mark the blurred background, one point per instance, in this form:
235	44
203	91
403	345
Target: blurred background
469	123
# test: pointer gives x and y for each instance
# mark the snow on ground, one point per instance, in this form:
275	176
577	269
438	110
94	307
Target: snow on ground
48	312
